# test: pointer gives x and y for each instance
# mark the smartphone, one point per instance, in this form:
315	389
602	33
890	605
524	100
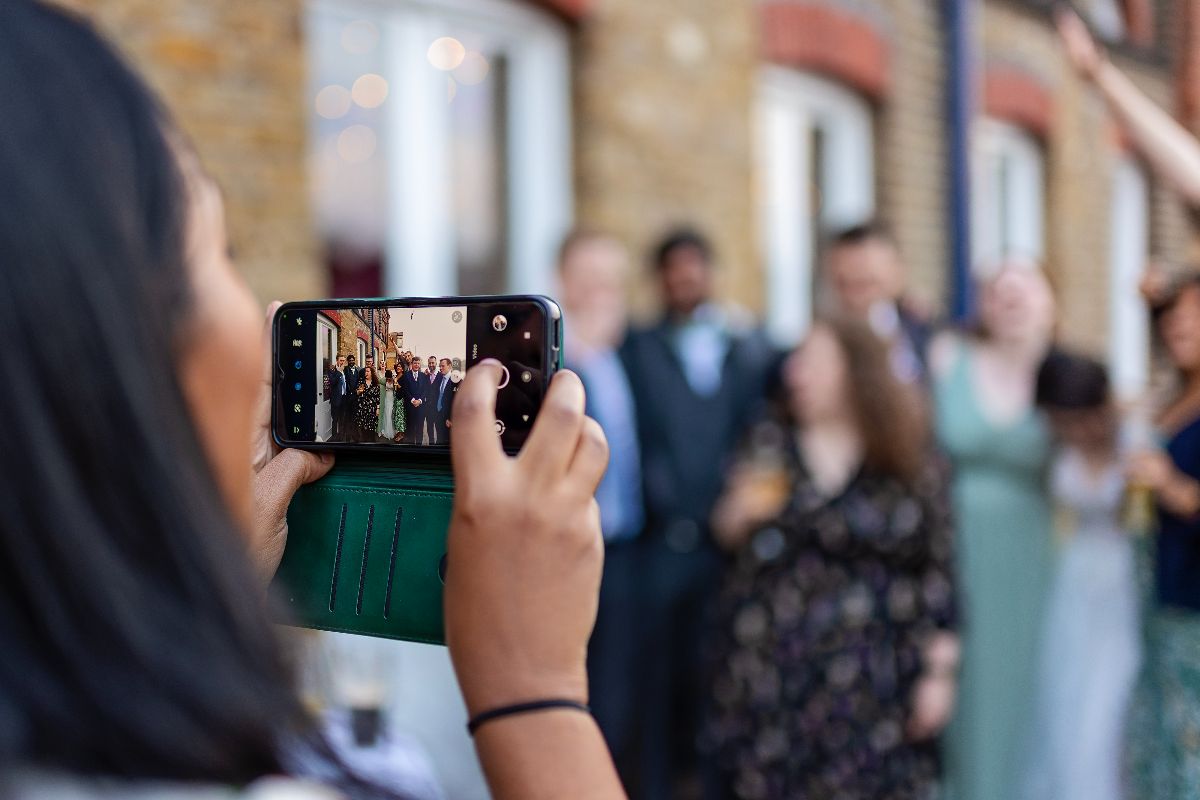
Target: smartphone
382	375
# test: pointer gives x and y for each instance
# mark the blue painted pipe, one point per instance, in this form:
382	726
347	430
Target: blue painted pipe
960	85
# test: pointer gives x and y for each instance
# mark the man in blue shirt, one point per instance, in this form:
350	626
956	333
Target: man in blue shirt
440	400
593	270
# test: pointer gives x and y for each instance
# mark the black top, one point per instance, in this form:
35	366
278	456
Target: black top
1177	568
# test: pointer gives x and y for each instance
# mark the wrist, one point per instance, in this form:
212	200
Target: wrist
484	690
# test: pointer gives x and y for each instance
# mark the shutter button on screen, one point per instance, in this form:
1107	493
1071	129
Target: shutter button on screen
504	379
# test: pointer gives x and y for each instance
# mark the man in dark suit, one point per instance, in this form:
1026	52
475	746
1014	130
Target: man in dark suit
430	375
699	378
339	393
441	400
867	280
414	388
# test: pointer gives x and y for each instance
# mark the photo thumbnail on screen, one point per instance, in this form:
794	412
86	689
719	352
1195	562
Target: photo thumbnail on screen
388	375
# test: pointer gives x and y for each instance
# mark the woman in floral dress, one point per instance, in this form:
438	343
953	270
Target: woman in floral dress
835	655
366	405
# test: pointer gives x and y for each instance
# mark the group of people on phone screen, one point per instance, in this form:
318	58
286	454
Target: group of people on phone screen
410	404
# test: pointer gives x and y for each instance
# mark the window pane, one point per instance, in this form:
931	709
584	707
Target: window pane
348	92
478	117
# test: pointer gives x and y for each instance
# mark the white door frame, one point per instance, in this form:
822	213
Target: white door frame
1129	324
323	413
790	105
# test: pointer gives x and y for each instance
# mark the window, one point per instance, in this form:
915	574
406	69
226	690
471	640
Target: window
1129	343
1108	19
362	353
1008	191
441	144
815	173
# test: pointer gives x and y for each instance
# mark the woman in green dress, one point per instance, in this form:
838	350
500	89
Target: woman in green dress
391	426
999	445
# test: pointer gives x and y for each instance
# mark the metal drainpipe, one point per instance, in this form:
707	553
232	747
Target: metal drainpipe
959	108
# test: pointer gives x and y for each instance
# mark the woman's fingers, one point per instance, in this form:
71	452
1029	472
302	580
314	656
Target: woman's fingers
555	435
264	445
591	457
475	448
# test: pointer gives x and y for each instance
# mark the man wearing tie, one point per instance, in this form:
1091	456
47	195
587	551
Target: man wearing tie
430	376
414	388
338	393
441	399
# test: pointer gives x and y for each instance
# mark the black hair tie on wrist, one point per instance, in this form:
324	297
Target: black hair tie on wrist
524	708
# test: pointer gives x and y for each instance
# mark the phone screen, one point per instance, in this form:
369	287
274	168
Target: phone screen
385	374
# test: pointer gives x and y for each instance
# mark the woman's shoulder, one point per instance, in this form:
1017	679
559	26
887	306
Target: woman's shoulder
37	785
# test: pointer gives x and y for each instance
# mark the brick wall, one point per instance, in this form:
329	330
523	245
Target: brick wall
232	72
663	94
911	141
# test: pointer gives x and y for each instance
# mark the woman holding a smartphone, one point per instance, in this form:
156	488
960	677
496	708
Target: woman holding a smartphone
139	658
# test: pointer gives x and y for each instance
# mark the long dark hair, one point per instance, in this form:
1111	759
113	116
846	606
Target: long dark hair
133	638
888	413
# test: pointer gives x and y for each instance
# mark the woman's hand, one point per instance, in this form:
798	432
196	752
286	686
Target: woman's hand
277	474
932	705
1152	469
753	495
1173	489
934	693
525	551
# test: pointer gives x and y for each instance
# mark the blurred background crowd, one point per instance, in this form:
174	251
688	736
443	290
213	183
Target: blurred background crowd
886	306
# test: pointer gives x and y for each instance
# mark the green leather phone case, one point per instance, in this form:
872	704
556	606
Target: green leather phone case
366	549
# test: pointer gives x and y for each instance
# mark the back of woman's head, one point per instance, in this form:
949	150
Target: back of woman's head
1072	382
133	640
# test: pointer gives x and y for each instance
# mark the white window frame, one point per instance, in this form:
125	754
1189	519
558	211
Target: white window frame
791	103
327	332
1008	203
420	250
361	349
1129	324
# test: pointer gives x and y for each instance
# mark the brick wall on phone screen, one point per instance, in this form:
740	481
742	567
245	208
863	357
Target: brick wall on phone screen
232	73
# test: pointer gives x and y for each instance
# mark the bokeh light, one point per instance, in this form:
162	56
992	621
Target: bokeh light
356	143
473	69
359	37
333	101
446	53
370	90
